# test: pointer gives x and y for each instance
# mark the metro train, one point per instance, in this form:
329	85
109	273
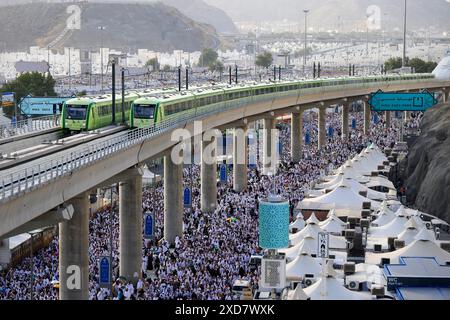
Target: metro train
144	109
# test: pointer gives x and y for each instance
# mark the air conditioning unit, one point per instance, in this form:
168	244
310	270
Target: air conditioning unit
366	205
365	223
349	234
377	291
365	214
353	285
391	242
398	244
307	282
349	268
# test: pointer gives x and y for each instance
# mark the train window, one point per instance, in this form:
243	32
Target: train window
76	112
144	111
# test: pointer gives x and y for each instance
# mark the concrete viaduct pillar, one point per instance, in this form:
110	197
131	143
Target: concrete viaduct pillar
296	136
173	200
130	221
387	115
345	112
74	252
209	175
321	127
445	97
240	159
366	118
269	125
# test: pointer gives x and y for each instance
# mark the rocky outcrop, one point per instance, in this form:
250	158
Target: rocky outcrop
427	166
130	26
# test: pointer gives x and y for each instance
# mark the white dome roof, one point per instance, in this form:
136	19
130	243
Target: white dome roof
442	71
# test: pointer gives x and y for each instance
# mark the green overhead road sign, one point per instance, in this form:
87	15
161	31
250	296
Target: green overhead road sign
407	101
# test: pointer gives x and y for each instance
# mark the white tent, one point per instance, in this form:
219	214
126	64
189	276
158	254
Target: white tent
303	264
311	229
354	174
408	235
380	182
297	294
308	245
355	185
298	224
385	215
333	289
333	225
391	229
423	246
312	219
343	199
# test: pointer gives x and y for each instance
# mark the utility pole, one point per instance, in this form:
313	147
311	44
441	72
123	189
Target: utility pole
101	28
123	95
404	36
179	78
113	68
70	75
306	38
187	78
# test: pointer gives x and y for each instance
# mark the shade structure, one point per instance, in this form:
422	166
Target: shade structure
422	246
303	264
311	230
385	215
307	245
333	226
391	229
335	290
312	219
408	235
375	182
343	199
298	224
355	185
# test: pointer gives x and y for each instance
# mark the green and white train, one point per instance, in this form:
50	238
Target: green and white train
89	113
144	109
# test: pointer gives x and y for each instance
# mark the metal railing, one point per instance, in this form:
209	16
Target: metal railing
30	178
29	125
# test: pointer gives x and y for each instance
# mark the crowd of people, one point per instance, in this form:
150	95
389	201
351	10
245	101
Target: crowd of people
216	247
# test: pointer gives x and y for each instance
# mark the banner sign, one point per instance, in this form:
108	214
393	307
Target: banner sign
402	101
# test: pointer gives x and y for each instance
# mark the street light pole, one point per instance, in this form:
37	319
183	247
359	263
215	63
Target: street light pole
123	96
306	38
404	36
101	28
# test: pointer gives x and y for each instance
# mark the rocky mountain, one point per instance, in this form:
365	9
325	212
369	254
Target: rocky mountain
427	167
200	11
153	26
197	10
422	14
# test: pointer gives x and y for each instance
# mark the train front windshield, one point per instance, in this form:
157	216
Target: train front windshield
76	112
144	111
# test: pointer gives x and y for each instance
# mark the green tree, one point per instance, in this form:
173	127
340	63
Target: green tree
208	57
421	66
166	68
264	60
154	63
393	63
33	83
82	93
217	66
